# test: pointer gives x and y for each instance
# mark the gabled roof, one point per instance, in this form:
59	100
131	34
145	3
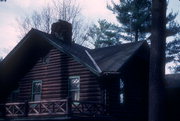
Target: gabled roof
114	57
108	59
76	51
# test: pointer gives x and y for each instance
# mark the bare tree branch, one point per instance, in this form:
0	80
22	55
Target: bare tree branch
68	10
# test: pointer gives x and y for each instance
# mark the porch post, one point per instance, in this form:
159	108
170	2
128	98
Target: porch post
3	110
69	106
26	104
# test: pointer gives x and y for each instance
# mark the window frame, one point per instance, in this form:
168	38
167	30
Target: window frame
73	90
45	59
32	93
13	97
121	91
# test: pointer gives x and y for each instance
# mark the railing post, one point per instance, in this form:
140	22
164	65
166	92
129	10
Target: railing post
69	106
3	110
26	106
53	110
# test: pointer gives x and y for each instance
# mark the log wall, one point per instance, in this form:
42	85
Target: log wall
54	76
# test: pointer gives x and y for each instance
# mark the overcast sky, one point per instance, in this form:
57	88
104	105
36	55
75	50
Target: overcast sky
12	9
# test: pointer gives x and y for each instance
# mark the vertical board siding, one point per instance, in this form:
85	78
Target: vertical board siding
54	76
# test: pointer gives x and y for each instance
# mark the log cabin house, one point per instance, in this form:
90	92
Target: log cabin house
48	77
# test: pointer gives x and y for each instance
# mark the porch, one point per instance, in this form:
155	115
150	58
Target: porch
53	109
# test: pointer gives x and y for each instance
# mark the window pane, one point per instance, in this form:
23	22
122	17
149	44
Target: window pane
121	91
74	83
121	98
13	97
121	84
37	87
36	90
37	97
74	88
75	95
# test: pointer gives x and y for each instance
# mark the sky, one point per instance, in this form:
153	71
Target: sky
10	10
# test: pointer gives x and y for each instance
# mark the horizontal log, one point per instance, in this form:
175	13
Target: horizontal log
90	94
55	78
56	69
51	96
55	73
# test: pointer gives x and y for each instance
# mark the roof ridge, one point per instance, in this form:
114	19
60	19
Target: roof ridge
93	61
172	74
41	32
107	58
120	45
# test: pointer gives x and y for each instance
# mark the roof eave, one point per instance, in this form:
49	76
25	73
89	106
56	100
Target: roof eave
76	58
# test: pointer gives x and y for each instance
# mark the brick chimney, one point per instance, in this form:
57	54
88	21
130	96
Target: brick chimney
63	31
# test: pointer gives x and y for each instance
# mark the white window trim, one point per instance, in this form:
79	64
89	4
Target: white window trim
73	90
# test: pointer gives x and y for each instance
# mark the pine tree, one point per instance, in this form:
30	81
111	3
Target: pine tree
104	34
135	17
173	54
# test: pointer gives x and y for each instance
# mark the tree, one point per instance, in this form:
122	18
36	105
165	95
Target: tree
173	54
157	62
135	19
104	33
39	20
67	10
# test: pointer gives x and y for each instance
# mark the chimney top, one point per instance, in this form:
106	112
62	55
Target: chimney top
63	31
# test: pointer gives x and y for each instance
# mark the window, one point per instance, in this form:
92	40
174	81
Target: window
74	87
14	96
36	90
121	91
45	59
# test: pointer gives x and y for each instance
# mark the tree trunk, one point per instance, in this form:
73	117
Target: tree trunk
157	62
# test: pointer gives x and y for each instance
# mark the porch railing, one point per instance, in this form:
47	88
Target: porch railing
47	107
15	109
87	108
54	107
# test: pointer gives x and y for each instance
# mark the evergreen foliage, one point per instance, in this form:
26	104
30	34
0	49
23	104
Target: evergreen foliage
104	33
173	54
134	17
